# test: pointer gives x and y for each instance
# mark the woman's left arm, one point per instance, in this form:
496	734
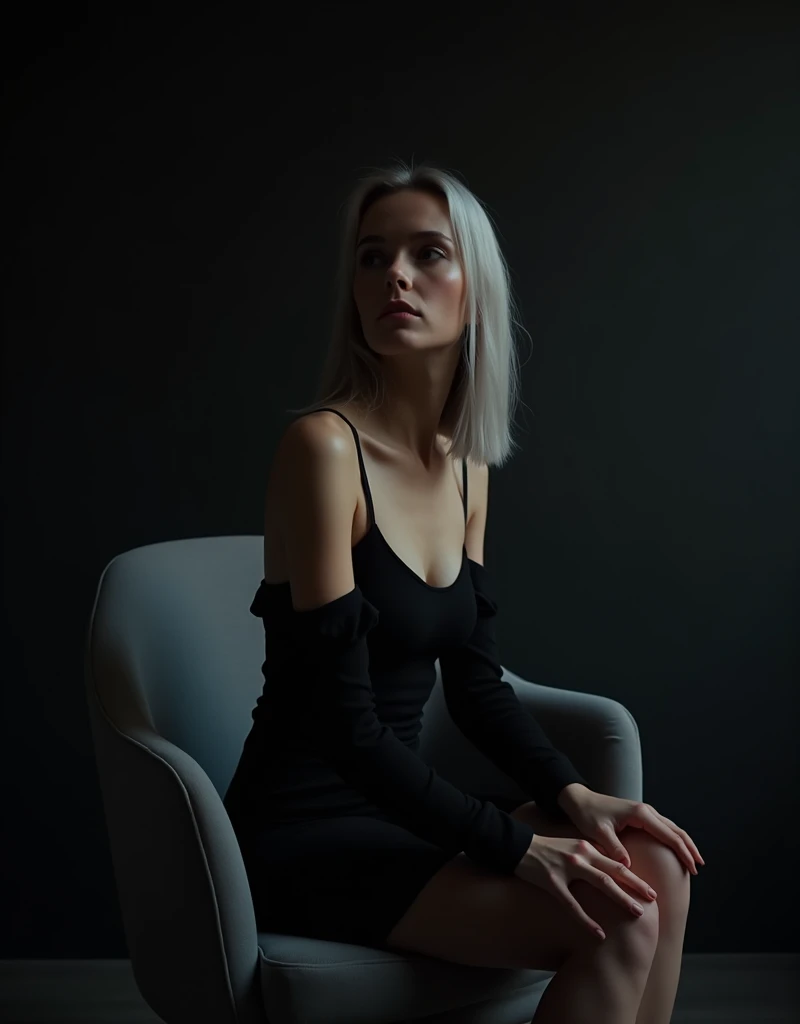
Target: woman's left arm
487	710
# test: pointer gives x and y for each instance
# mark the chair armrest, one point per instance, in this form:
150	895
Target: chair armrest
184	896
598	734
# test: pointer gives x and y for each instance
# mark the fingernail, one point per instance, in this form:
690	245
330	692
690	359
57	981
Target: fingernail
637	909
652	893
601	933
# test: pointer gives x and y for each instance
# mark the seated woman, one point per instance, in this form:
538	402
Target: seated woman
373	569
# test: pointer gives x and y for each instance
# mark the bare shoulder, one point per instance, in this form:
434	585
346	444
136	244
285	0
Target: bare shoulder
316	433
314	450
315	499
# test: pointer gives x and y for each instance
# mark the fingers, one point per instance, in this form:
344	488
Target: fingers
676	838
673	838
690	843
563	893
629	878
604	881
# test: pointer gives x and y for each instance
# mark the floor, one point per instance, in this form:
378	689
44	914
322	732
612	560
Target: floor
714	989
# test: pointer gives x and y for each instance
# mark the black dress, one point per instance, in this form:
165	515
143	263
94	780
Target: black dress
340	821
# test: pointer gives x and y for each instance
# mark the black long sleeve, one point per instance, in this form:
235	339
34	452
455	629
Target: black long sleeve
487	710
331	647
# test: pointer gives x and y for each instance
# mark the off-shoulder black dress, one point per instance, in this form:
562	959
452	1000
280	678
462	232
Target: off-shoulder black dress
340	821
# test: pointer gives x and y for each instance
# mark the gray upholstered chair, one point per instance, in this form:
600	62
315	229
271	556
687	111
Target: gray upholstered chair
173	669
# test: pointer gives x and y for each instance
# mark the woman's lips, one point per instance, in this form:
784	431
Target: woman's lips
401	315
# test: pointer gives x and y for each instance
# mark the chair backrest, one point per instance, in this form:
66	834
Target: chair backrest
175	648
172	672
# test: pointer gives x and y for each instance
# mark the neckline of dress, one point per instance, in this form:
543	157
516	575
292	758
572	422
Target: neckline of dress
374	528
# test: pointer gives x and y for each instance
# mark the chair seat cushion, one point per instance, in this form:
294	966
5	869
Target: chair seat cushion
313	980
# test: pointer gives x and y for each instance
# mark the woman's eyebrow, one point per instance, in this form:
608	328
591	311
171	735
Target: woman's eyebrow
417	234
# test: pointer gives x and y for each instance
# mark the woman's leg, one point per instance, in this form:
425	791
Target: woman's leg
603	981
660	867
670	877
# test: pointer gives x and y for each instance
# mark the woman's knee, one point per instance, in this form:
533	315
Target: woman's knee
636	937
663	870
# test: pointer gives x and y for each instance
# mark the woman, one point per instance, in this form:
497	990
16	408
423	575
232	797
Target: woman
373	568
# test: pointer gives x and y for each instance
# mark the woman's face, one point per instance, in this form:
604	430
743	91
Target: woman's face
426	272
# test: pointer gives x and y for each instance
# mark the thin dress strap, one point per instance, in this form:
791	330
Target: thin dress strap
362	467
464	469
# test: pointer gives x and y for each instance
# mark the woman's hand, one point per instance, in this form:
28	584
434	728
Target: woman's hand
600	817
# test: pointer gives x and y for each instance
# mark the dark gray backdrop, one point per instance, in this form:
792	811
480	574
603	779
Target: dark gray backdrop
170	222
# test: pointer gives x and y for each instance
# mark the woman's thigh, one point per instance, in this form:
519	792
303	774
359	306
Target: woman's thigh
469	915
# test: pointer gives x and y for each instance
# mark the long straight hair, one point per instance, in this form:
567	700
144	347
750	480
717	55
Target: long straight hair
478	413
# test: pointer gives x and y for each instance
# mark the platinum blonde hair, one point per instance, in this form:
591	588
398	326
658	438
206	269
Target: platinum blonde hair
478	413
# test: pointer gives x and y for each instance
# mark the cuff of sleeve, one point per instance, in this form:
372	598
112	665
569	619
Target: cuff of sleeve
563	775
522	838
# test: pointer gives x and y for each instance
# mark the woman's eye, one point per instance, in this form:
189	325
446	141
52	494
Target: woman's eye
374	252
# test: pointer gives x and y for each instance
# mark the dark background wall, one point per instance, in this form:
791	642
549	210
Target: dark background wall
171	205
